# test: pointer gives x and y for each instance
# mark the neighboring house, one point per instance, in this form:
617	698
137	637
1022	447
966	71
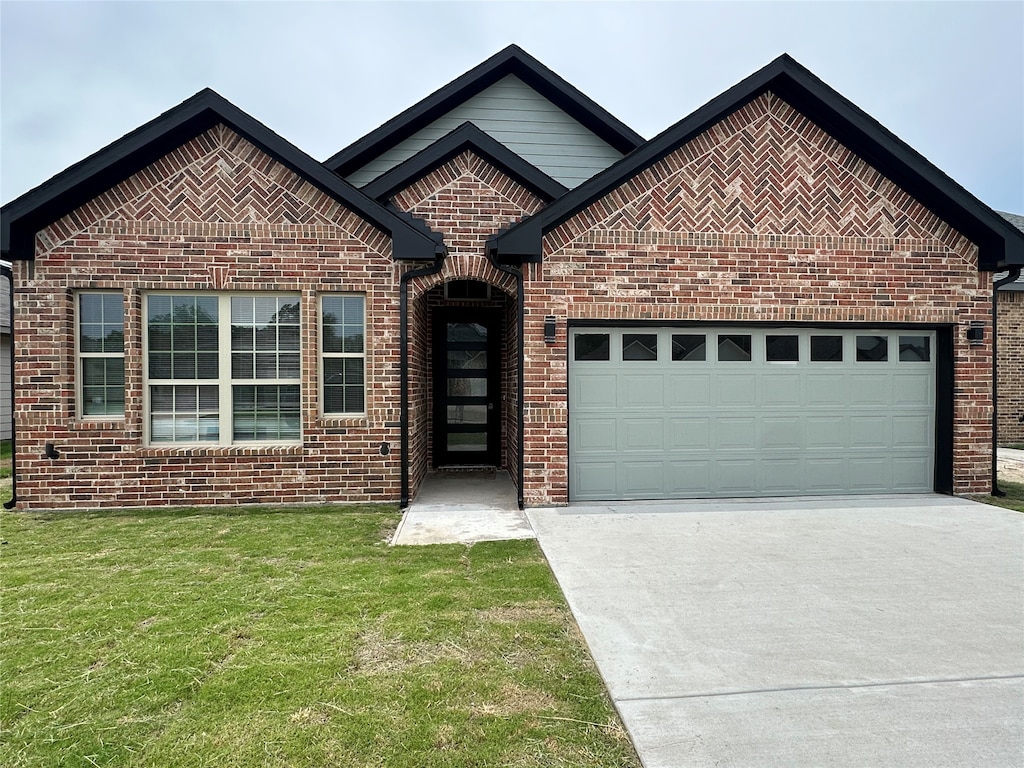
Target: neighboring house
1010	355
775	296
5	352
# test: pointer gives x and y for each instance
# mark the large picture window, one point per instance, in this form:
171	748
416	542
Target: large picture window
100	347
223	368
343	350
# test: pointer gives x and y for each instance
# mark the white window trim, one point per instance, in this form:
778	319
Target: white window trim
80	356
322	355
224	382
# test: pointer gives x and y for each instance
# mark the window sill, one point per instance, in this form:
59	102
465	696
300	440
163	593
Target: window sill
220	450
98	425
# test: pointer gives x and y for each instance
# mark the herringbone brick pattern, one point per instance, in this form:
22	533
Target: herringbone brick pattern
216	178
766	169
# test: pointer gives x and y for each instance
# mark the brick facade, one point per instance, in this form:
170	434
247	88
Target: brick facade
217	215
1010	363
762	219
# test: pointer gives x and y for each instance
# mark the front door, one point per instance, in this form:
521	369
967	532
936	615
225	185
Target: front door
467	379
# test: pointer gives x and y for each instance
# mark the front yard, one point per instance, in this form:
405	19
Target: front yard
290	638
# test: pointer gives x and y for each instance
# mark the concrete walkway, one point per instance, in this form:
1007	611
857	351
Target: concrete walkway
463	508
867	631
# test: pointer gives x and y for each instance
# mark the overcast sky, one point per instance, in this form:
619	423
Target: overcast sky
946	77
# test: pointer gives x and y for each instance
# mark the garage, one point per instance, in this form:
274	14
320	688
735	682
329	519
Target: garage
704	412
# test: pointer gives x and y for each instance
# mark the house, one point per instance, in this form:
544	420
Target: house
774	296
1010	353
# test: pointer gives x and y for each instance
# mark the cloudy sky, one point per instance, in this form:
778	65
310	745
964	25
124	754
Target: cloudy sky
946	77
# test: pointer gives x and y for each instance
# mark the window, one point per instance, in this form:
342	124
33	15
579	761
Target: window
223	368
591	347
734	348
827	349
343	351
100	355
915	349
689	346
872	349
639	346
782	349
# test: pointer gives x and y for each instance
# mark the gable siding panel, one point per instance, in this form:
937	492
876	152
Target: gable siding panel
518	117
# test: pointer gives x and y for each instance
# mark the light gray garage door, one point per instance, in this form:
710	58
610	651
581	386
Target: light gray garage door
665	413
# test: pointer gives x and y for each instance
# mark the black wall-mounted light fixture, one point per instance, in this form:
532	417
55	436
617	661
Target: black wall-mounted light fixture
976	334
549	329
51	451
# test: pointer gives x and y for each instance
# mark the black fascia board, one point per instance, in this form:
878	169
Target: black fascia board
23	217
512	60
466	137
999	243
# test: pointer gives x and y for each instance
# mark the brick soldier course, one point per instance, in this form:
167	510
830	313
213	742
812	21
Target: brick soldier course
779	203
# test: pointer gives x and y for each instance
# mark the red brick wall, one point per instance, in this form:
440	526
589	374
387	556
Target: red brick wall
216	215
1010	362
763	218
468	200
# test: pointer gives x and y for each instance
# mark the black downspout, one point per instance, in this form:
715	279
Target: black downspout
9	274
1011	277
403	371
518	275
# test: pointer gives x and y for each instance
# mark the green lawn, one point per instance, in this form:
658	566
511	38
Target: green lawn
286	638
1014	498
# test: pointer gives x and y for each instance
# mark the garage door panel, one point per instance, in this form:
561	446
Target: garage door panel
782	476
736	433
911	431
642	479
736	390
756	416
829	389
736	477
869	432
826	432
690	434
870	388
642	391
870	474
782	433
826	475
782	391
595	434
642	434
914	389
689	390
689	478
594	390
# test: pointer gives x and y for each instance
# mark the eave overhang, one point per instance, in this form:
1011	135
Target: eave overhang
513	60
999	243
466	137
23	217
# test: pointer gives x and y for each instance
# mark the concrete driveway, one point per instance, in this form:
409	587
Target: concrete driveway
877	631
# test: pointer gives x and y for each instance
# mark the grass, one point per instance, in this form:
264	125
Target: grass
286	638
5	458
1014	498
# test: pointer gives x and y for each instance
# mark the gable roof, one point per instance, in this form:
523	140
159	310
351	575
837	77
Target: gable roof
466	137
25	216
999	242
513	60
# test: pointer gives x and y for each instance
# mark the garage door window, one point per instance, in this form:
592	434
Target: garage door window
915	349
591	346
734	348
872	349
639	346
782	349
826	349
689	346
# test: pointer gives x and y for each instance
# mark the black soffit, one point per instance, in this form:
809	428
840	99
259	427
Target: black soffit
1000	243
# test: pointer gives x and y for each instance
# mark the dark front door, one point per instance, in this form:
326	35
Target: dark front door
467	378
